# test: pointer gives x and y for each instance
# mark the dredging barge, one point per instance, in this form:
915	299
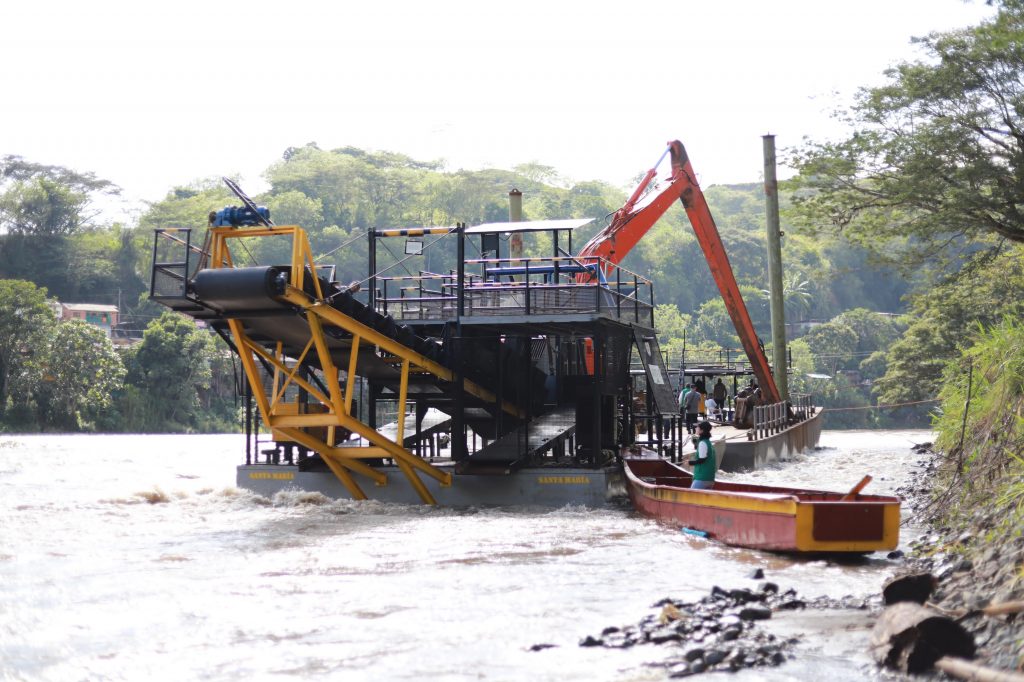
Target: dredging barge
520	364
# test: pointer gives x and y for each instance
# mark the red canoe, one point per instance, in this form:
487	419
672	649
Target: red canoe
764	517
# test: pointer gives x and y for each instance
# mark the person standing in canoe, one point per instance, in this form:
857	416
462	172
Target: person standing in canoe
703	461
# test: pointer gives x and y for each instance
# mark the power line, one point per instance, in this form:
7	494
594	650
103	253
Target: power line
879	407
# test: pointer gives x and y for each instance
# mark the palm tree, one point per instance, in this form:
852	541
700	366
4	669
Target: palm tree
796	295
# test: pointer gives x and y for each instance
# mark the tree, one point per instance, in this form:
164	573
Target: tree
796	295
802	367
170	367
25	320
671	325
943	317
833	345
538	173
46	201
874	331
714	324
41	209
915	363
81	371
670	256
936	156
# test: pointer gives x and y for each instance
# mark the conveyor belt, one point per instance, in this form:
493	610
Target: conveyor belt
255	297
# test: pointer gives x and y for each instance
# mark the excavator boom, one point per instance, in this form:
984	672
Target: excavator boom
630	223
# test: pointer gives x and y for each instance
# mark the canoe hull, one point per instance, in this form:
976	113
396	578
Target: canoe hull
764	517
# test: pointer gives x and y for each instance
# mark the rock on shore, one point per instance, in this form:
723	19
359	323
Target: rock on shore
975	568
720	632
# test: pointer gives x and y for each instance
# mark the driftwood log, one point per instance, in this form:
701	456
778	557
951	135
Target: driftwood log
965	670
911	638
1003	608
1006	608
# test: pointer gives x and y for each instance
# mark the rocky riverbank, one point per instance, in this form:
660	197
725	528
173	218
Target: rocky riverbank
723	631
719	632
764	626
977	564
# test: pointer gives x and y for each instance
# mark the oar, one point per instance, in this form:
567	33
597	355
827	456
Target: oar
855	490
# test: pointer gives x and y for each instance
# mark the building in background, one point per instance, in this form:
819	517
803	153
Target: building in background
103	316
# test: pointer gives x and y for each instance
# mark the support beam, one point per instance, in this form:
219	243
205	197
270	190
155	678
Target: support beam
319	446
337	406
308	387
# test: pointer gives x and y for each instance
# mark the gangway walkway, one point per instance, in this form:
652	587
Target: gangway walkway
519	446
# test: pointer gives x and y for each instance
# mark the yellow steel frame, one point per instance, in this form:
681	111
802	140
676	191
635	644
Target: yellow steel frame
315	429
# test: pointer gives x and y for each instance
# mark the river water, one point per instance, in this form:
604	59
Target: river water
135	557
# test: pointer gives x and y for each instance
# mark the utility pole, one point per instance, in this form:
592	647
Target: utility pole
515	215
774	234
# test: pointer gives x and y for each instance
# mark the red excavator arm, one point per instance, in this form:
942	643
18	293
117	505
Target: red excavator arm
630	223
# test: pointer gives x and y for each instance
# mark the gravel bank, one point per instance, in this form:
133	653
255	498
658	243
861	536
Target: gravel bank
974	568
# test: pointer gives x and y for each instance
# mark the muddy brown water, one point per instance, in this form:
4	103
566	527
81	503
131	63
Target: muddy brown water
134	557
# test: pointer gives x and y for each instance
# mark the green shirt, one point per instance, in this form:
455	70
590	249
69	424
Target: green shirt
682	398
704	469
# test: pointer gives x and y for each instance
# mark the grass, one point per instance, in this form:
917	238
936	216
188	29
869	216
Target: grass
981	429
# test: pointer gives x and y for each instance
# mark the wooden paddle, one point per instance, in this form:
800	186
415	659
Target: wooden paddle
855	490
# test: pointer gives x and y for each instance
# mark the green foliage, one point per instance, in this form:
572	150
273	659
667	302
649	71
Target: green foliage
45	201
989	287
351	186
170	369
934	157
801	366
714	324
95	265
983	443
188	206
850	349
874	365
80	373
55	375
41	207
822	277
847	396
670	256
833	345
337	195
46	226
295	208
26	318
873	330
672	326
797	297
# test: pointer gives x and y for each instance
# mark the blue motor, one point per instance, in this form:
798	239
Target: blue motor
239	216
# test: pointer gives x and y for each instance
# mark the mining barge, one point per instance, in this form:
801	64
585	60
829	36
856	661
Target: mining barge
502	380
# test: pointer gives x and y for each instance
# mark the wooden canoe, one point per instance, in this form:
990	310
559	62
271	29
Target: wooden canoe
764	517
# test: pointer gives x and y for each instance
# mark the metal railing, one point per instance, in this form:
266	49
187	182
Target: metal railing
769	419
522	286
801	405
733	359
775	417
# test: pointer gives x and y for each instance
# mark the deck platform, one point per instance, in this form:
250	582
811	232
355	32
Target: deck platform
746	454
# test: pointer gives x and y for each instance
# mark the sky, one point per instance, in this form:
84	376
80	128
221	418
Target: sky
157	95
